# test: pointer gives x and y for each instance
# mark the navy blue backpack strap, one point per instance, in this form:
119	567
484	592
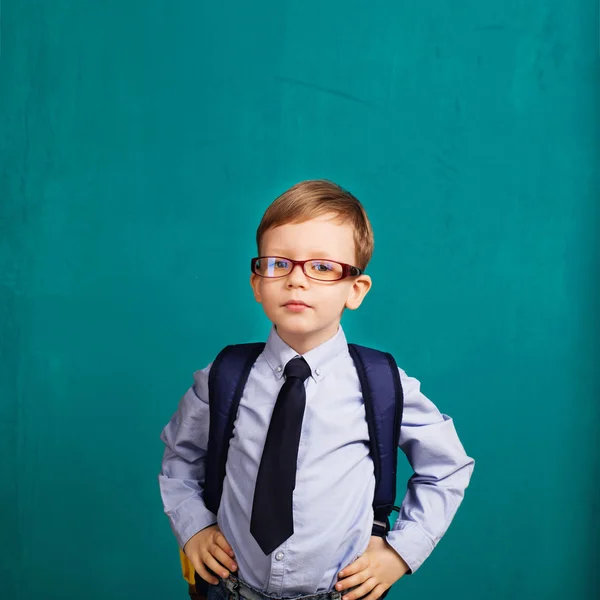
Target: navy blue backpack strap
384	402
226	381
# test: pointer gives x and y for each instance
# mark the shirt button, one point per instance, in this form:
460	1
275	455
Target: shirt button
279	369
279	556
317	371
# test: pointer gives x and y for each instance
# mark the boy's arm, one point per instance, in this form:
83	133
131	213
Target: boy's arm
181	478
442	471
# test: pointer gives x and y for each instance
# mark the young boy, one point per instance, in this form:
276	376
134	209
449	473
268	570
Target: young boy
314	243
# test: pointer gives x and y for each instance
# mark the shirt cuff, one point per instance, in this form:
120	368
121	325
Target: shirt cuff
411	543
189	518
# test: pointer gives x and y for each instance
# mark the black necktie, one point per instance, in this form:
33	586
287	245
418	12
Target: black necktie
272	520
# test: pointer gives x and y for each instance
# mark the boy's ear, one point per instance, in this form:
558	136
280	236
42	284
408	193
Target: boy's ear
361	286
254	282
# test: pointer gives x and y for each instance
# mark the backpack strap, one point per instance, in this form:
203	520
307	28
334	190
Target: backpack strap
226	381
384	402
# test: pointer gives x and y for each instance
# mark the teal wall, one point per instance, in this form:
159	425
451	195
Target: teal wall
139	144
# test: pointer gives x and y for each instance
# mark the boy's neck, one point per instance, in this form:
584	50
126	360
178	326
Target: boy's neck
303	343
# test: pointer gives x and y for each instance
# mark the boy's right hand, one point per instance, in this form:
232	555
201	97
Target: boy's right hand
208	549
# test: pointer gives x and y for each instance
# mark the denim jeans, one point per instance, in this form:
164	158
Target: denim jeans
234	588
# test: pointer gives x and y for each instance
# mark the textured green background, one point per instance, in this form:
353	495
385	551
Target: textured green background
139	144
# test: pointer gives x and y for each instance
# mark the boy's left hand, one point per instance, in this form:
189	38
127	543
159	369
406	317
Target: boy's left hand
376	570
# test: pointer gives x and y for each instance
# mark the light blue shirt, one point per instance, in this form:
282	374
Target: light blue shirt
335	482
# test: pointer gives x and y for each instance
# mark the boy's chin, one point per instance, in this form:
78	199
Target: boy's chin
295	327
296	324
299	327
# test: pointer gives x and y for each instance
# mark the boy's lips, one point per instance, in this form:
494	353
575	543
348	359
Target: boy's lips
296	306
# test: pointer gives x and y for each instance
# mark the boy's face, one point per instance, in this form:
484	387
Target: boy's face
320	237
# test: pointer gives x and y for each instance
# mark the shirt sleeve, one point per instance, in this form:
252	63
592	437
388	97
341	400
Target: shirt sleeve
182	474
442	471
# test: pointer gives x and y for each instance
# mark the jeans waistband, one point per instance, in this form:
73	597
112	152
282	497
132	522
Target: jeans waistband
240	589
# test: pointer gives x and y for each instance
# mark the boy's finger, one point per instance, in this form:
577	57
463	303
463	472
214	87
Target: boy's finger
359	564
361	590
215	566
352	581
376	592
222	557
201	570
223	543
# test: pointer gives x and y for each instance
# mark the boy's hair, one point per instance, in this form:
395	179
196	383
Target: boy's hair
313	198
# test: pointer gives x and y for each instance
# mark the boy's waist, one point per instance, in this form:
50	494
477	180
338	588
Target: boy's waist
237	589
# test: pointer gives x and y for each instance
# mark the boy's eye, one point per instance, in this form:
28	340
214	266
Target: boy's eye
322	267
280	264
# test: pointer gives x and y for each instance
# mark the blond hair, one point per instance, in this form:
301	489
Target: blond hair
309	199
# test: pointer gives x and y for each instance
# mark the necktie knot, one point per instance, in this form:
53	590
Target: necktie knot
297	367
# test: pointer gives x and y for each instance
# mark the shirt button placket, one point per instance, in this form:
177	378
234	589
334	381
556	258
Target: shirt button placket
276	580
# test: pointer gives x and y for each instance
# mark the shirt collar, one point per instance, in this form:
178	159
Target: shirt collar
277	354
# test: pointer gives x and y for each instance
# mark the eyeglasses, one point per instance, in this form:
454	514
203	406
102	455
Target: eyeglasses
321	269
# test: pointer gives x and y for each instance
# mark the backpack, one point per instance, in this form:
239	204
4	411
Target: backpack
382	393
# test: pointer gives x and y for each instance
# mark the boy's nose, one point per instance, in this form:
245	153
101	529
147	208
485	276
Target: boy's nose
297	276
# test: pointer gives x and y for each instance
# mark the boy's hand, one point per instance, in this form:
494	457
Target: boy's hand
379	567
209	549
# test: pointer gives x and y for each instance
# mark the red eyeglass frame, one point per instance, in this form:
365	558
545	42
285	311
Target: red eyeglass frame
347	270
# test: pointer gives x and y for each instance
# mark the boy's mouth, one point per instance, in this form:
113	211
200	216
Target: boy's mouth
296	305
